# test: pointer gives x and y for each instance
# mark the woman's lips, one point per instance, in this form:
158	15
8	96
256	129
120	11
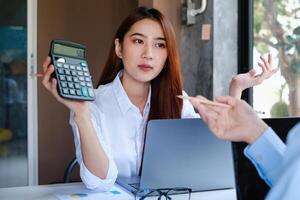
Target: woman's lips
145	67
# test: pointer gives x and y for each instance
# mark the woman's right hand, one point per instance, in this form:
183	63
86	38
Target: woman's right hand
78	107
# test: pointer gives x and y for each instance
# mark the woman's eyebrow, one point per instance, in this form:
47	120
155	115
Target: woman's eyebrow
142	35
137	34
161	38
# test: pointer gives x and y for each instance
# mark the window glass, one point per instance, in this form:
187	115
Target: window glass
276	30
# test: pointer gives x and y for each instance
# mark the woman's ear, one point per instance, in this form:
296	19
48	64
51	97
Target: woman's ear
118	48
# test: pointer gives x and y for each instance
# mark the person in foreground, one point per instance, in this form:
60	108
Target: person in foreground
278	164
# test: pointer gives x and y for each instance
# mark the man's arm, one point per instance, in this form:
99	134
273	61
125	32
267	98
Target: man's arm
266	154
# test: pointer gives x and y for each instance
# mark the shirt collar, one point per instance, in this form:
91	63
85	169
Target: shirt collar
147	105
122	98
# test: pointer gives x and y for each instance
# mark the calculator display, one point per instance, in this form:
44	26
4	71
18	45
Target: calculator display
68	51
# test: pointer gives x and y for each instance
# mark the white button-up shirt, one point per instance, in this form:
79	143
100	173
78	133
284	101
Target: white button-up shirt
120	128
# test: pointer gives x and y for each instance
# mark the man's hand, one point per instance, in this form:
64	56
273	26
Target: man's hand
238	123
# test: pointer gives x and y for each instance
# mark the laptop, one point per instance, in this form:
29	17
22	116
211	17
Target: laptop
183	153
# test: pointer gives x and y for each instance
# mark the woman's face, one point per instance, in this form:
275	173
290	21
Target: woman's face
143	51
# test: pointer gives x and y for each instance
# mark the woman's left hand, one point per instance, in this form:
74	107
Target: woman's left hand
243	81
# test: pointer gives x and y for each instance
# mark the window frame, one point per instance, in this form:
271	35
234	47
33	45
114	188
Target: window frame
245	42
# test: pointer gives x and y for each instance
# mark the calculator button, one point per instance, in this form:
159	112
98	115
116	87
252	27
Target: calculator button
72	91
84	69
86	74
60	71
65	91
77	85
79	68
89	84
59	64
73	73
62	77
66	66
88	79
70	85
69	78
78	92
83	64
84	91
72	67
75	79
63	84
91	92
62	60
67	72
80	73
81	78
82	83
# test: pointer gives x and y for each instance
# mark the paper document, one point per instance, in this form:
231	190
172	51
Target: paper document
79	191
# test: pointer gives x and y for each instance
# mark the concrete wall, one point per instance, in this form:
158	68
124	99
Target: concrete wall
197	54
208	65
225	44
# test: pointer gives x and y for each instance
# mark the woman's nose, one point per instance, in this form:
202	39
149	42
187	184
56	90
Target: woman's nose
147	53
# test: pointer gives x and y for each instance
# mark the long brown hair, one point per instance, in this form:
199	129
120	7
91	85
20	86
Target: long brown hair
168	84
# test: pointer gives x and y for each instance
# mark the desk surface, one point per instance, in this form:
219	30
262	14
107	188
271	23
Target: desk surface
47	192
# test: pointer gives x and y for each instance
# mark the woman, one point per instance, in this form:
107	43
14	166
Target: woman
140	82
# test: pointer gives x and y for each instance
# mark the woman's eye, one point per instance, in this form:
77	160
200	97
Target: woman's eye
160	45
138	41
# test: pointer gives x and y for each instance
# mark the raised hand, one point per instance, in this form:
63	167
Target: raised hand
238	123
78	107
243	81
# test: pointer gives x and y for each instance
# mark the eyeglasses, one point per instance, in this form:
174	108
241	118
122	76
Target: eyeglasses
164	193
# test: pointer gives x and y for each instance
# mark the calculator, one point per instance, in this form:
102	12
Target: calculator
71	70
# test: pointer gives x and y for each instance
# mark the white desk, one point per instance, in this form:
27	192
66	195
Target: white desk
46	192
